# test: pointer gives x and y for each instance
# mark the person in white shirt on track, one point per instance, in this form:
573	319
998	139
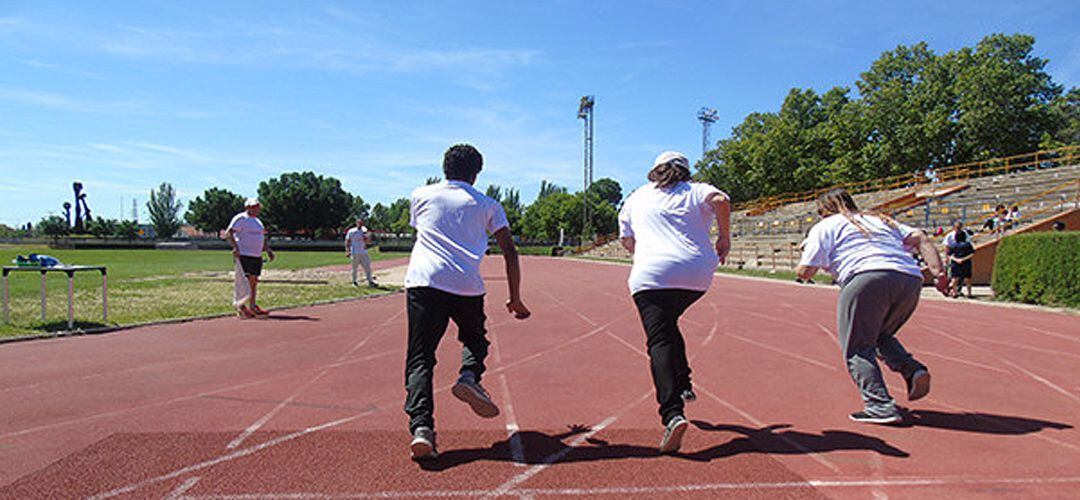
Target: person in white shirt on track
357	240
453	222
871	257
666	225
247	236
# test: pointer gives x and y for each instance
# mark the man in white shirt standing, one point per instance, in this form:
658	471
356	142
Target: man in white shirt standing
443	283
356	241
247	236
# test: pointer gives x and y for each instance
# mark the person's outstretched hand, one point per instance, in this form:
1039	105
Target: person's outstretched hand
518	309
941	282
723	246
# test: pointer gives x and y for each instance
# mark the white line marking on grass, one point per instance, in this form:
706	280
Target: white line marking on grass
183	488
785	352
510	484
224	458
663	490
754	420
255	426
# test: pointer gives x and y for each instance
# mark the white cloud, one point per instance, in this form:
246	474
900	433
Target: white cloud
64	102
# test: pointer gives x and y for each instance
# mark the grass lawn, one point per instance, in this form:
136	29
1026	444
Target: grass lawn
151	285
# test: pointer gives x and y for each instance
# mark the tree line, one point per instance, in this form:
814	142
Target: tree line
308	205
913	109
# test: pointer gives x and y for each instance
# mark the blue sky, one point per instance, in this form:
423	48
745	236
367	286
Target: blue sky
125	95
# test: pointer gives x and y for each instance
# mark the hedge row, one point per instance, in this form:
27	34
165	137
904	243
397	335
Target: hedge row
1039	268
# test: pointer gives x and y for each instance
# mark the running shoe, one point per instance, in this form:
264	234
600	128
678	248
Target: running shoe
688	396
244	313
423	444
260	311
918	384
864	417
673	434
470	391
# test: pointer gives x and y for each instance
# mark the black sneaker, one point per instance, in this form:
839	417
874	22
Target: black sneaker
688	396
918	384
423	444
470	391
673	435
862	416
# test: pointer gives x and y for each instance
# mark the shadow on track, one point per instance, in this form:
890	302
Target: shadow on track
290	317
984	423
541	448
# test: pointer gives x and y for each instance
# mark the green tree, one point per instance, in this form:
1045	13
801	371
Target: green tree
494	191
164	208
547	215
54	226
432	180
126	229
379	219
361	209
101	227
302	202
547	189
511	204
398	216
213	211
608	190
1065	110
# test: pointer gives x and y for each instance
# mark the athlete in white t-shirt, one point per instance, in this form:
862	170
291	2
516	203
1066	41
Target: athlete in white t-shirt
453	222
666	225
881	282
356	241
247	236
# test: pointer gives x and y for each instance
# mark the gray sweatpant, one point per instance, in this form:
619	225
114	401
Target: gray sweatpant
873	306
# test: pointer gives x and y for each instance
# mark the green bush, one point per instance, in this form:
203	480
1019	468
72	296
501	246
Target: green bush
1039	268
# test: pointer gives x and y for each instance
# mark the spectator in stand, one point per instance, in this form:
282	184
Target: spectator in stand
960	253
1013	218
1059	225
995	223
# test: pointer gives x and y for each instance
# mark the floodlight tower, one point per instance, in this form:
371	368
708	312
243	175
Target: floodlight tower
585	112
707	116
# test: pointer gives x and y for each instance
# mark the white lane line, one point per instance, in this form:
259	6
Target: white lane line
510	484
1041	380
1053	334
661	490
835	339
181	399
263	420
573	309
878	474
224	458
785	352
517	446
627	344
183	488
1028	348
754	420
961	361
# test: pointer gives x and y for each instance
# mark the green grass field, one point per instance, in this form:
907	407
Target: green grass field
153	285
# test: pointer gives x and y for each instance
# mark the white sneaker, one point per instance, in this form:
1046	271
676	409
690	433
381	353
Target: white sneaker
423	444
470	391
673	435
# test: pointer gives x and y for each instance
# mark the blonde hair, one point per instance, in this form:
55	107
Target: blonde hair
839	201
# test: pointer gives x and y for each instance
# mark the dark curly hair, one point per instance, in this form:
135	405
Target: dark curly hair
462	162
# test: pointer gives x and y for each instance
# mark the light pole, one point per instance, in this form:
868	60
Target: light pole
585	112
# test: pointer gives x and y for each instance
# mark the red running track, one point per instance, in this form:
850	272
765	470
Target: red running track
308	405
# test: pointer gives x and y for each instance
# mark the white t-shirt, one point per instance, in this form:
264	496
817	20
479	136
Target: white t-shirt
354	238
670	227
839	247
452	221
249	234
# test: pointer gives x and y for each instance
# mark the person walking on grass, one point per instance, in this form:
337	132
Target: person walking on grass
665	224
247	236
357	240
880	286
453	222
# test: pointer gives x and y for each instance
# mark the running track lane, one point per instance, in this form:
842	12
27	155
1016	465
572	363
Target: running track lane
308	405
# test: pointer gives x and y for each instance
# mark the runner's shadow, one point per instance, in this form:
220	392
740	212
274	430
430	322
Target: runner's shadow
984	423
788	442
291	317
540	448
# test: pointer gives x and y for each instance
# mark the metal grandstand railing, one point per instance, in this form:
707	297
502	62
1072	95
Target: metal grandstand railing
1067	155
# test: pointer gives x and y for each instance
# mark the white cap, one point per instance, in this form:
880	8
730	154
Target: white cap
671	157
252	202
